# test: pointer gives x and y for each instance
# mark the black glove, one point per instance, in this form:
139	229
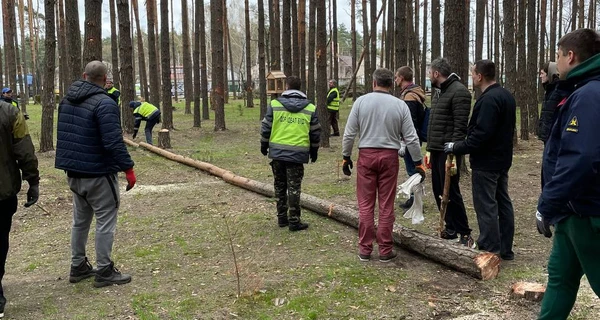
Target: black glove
313	154
264	148
135	133
26	116
449	147
33	195
542	225
347	165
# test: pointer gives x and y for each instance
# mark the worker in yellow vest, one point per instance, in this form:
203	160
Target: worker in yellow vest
7	95
290	135
333	106
113	92
147	112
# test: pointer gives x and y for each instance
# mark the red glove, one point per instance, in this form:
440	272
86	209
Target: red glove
131	180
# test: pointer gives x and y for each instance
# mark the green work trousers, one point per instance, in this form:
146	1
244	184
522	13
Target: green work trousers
575	252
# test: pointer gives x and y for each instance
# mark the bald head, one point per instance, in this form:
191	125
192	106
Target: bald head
95	72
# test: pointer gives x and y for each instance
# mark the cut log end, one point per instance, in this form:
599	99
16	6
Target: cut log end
528	290
164	139
489	264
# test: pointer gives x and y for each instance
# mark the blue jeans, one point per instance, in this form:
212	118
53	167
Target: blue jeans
410	165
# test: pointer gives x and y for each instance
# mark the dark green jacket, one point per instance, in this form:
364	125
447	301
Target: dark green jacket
17	154
449	114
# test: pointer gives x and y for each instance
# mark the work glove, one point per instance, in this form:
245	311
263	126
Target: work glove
131	180
347	165
402	151
420	168
427	160
313	154
135	133
542	225
449	147
33	194
26	116
264	148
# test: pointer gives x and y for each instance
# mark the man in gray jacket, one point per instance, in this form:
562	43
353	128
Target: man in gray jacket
448	119
381	121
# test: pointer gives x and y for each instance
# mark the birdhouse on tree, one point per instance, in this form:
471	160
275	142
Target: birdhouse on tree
275	82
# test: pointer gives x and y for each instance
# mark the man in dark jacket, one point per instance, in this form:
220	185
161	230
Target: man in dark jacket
448	119
414	97
90	149
290	135
147	112
113	92
490	143
18	160
570	198
549	78
333	107
7	95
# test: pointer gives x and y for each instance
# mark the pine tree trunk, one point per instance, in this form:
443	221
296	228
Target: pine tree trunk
154	76
510	48
354	44
167	103
424	51
275	27
401	57
9	23
295	44
249	86
479	19
416	47
532	65
230	56
553	22
574	10
32	36
114	45
92	47
262	77
497	42
48	104
373	38
302	41
25	92
436	47
198	10
389	37
141	55
336	59
581	8
542	56
201	25
522	69
225	48
321	82
126	67
173	72
312	33
216	40
560	19
455	32
367	48
286	37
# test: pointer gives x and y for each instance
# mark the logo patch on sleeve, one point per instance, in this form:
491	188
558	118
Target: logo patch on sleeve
573	125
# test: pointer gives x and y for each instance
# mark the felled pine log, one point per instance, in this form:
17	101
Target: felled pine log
478	264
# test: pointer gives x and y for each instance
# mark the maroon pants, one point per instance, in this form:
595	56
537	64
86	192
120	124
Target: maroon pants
377	178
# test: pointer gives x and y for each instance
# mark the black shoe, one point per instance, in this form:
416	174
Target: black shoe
408	203
83	271
388	258
336	134
110	275
364	257
449	234
2	304
467	241
298	226
507	257
282	221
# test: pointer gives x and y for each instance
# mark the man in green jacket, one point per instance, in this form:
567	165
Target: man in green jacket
290	135
448	121
333	106
18	159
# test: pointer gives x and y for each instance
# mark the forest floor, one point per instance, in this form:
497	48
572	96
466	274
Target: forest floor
172	237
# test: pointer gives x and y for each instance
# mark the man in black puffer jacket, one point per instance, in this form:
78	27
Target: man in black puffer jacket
552	97
91	150
448	119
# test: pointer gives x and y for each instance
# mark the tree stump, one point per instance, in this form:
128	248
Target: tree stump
164	140
528	291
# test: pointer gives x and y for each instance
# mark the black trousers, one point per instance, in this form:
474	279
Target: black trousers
456	215
333	121
288	186
494	210
8	207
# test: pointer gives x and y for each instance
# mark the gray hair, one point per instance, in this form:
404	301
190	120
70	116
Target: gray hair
333	81
383	77
442	66
95	71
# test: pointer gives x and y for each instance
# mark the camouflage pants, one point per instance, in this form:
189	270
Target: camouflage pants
288	184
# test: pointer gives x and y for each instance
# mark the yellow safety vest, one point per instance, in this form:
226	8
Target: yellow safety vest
335	104
113	89
145	109
290	130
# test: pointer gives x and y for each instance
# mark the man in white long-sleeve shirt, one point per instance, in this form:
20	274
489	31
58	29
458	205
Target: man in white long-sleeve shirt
381	121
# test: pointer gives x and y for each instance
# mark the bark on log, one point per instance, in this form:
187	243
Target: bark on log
478	264
164	140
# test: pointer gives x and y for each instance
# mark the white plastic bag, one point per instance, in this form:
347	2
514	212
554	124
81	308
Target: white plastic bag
413	186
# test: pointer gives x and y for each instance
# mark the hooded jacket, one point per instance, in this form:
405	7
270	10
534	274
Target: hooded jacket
414	96
449	114
291	142
89	136
571	165
552	98
17	154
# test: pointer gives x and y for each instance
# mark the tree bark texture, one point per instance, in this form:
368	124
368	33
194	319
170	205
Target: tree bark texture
455	32
522	91
479	24
478	264
198	10
424	51
173	72
497	34
389	37
354	44
203	67
48	104
373	38
92	47
401	36
9	28
275	39
262	77
141	55
154	76
249	86
301	42
436	47
295	39
321	82
312	32
126	65
216	40
510	47
164	139
366	48
286	37
336	60
114	44
532	66
167	103
25	92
